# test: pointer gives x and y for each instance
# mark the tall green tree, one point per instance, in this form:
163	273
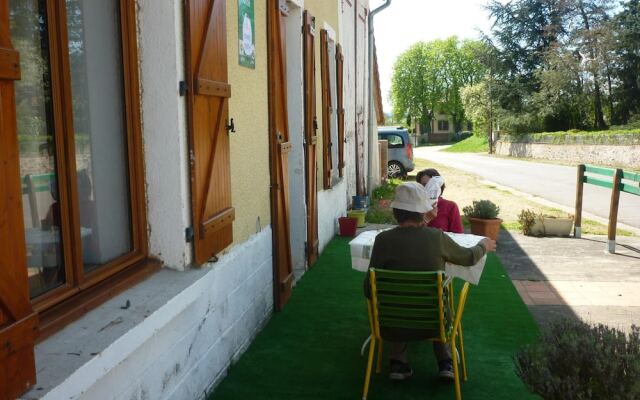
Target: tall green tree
626	29
427	79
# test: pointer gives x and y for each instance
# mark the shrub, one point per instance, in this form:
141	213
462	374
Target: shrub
574	360
387	190
380	215
484	209
526	219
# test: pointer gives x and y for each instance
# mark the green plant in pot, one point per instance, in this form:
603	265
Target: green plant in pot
483	218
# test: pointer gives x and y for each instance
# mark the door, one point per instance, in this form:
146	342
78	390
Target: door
311	139
18	323
279	148
208	92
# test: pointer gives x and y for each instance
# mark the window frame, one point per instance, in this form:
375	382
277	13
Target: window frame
84	290
443	125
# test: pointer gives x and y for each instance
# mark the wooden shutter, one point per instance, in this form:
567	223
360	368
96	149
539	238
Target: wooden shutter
340	107
208	92
279	148
310	127
325	76
18	322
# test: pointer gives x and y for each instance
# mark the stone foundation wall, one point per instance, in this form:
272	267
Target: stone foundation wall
619	151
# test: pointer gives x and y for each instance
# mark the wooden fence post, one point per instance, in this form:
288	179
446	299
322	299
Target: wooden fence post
613	211
577	232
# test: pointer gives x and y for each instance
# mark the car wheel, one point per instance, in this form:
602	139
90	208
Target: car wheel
395	170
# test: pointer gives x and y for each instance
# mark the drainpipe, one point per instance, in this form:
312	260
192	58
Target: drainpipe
373	135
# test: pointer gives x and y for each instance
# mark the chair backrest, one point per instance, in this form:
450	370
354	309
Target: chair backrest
408	300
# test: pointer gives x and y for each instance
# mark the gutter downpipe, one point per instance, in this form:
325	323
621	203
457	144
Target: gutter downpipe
373	137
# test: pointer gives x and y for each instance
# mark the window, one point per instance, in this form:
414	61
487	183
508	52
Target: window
79	138
395	141
443	125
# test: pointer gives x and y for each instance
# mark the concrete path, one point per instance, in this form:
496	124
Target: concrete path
556	183
575	278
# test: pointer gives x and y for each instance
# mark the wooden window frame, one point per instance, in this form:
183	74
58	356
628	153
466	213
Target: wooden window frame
83	291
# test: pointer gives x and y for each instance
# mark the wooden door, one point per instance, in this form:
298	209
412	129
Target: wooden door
18	322
208	92
310	139
340	107
279	148
325	73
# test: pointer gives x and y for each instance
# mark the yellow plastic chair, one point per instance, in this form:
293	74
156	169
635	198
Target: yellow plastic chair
415	300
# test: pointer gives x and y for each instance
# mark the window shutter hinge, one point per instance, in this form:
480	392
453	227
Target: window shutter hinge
182	88
188	234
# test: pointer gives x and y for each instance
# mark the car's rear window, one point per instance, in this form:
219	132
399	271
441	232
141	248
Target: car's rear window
394	140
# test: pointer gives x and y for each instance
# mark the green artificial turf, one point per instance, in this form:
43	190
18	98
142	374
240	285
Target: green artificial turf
311	350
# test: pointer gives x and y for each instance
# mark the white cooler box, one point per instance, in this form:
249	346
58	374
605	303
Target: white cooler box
361	250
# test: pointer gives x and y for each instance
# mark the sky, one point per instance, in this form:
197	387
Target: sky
405	22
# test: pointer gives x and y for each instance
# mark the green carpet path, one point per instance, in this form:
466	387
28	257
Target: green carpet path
311	350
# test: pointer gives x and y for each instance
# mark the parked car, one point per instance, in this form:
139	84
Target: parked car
400	159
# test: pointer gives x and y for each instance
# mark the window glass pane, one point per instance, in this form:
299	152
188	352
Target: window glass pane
100	130
395	141
28	20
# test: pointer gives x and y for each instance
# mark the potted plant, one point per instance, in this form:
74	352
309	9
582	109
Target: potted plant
557	225
538	224
483	217
530	223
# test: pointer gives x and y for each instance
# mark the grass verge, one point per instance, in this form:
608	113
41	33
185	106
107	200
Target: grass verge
474	144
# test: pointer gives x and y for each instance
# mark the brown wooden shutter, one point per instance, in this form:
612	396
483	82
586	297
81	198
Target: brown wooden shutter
207	92
279	147
340	107
310	127
18	322
325	76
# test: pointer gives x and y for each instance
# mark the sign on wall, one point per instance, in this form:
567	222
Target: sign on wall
246	36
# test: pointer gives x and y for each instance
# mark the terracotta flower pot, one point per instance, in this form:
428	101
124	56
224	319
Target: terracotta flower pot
485	227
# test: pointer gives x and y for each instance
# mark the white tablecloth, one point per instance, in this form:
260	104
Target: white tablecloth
362	244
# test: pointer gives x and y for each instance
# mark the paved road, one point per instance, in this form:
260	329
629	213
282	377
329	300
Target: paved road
556	183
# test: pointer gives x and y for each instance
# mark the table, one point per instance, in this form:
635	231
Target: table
362	244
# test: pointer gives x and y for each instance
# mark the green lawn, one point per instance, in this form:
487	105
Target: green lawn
311	350
473	144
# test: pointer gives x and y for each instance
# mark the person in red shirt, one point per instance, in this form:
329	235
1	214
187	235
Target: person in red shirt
448	215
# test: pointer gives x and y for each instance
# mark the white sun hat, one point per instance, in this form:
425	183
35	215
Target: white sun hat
411	196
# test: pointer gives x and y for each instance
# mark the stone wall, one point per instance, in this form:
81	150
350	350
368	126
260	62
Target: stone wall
610	150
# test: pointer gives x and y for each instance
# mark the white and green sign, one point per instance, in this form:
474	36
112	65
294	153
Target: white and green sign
246	34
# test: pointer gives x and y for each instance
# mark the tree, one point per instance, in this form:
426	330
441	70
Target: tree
626	51
427	79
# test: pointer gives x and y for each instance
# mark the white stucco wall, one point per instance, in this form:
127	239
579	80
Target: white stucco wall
164	129
332	204
183	348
